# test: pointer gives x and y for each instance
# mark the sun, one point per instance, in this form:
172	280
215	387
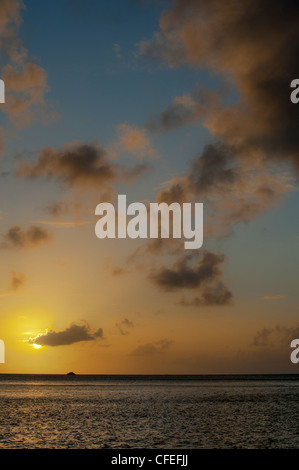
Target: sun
37	346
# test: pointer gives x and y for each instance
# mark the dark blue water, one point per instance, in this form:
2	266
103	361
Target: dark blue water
54	411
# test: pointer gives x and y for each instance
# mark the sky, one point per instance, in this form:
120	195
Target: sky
163	101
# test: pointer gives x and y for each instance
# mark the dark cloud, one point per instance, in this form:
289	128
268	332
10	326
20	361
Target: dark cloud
184	276
233	192
176	192
257	44
17	281
79	164
34	236
124	326
204	276
151	349
211	296
214	170
72	334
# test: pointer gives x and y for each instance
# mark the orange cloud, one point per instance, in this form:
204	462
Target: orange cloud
25	81
274	297
132	140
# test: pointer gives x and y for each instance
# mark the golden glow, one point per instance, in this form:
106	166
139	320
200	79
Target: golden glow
37	346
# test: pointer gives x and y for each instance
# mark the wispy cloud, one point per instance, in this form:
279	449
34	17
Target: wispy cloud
17	281
151	349
124	326
16	284
276	336
274	297
117	50
62	224
211	296
34	236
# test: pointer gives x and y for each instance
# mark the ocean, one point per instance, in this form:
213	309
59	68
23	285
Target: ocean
149	412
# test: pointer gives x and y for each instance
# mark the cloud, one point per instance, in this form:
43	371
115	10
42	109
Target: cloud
124	326
119	271
66	209
274	297
254	47
132	140
33	237
211	296
25	87
25	81
79	165
205	277
213	170
138	170
73	334
257	45
183	276
17	281
185	110
67	224
10	21
276	337
234	192
155	247
151	349
58	209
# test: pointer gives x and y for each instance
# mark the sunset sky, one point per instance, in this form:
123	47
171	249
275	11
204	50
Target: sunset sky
185	101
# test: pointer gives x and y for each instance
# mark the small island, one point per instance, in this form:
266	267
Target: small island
71	373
